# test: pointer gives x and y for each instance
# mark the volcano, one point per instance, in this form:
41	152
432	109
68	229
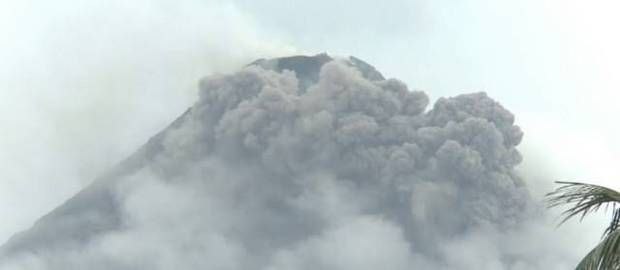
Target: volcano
285	164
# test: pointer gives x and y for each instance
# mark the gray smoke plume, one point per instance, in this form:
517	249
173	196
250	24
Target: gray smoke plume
306	163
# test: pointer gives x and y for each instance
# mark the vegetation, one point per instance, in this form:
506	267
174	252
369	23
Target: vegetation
583	199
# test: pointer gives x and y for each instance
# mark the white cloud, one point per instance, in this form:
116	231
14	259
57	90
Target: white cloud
85	83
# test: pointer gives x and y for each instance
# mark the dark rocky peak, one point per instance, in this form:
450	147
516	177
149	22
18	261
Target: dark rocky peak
307	68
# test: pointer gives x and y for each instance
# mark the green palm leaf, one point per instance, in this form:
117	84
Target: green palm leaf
582	200
604	256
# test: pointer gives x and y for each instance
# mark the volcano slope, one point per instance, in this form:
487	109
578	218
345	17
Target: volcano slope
303	162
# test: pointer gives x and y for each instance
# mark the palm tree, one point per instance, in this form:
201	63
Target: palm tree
582	200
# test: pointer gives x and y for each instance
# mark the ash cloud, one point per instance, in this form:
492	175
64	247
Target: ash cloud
298	166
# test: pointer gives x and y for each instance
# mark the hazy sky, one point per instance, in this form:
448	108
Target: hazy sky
83	84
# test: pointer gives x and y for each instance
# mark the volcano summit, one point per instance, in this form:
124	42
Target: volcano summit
303	162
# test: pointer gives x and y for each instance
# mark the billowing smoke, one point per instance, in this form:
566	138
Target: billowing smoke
307	163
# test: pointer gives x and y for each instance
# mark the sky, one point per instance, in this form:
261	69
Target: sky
82	85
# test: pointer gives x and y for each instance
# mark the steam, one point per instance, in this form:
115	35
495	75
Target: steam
84	84
349	172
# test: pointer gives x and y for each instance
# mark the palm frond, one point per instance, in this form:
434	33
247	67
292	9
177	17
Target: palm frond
615	223
605	256
583	199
